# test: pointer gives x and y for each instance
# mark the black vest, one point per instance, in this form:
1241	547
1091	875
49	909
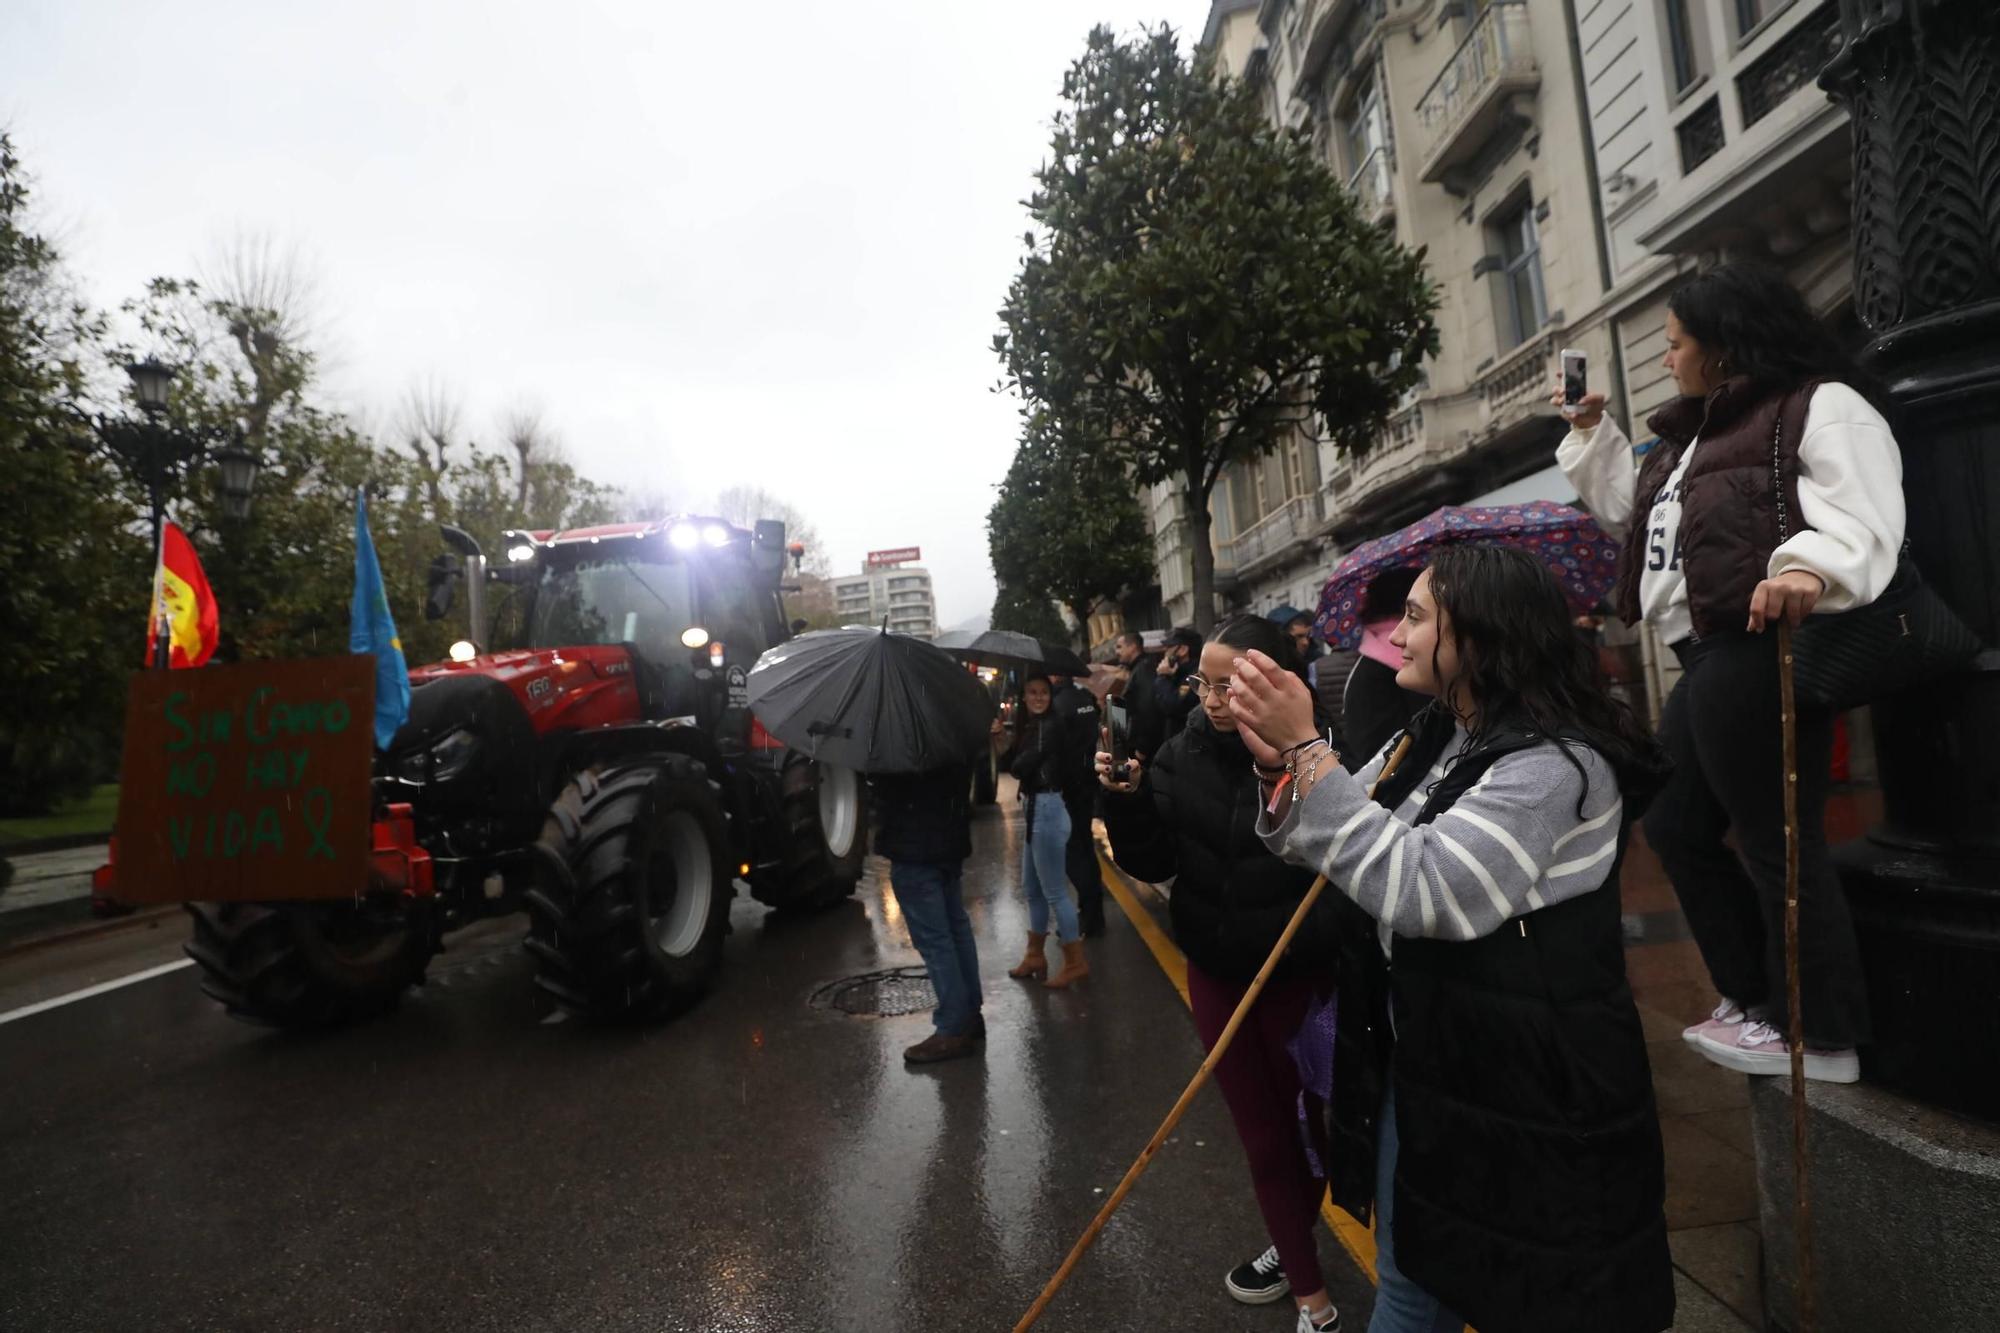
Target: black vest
1530	1181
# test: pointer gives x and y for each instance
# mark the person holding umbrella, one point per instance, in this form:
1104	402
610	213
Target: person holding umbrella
911	718
1774	493
924	829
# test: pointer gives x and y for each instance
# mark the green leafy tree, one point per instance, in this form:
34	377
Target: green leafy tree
71	562
1197	286
1026	613
1067	525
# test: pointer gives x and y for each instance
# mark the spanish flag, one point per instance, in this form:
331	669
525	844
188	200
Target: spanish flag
183	605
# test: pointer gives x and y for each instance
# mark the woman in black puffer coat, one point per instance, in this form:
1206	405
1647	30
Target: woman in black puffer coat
1192	817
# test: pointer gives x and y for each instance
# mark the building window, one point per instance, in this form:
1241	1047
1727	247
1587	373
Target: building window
1700	135
1521	307
1687	47
1750	14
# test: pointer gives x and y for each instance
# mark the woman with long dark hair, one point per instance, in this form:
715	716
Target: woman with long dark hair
1044	759
1774	493
1191	816
1490	1064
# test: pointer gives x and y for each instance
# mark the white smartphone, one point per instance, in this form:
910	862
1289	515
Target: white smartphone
1575	382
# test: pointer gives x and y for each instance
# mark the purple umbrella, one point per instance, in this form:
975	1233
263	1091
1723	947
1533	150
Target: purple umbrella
1577	551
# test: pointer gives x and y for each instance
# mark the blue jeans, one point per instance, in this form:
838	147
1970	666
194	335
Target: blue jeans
1043	877
1401	1306
933	903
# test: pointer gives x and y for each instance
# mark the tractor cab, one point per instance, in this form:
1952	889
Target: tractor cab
694	602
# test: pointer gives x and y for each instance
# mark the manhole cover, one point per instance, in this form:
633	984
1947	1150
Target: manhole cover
900	990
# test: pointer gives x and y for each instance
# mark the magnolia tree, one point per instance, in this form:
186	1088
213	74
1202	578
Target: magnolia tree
1196	285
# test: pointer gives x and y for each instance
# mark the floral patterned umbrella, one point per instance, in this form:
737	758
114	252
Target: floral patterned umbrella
1582	557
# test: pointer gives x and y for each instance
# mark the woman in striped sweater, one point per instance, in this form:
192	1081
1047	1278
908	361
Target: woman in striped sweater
1490	1064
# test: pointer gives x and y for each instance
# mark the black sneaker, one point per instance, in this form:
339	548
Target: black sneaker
1259	1281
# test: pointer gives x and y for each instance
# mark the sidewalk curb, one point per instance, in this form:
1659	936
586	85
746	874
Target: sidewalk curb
64	842
150	916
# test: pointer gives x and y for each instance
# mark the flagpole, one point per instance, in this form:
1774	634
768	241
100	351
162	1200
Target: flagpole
154	618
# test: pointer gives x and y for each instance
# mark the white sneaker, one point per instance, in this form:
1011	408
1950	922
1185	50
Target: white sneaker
1756	1047
1259	1281
1326	1323
1727	1014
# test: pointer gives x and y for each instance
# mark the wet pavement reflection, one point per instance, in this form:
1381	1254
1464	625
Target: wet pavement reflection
761	1164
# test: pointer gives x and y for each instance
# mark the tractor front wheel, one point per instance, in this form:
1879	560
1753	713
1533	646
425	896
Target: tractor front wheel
304	965
629	922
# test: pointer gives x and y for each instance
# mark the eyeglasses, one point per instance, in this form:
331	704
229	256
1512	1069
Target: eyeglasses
1202	688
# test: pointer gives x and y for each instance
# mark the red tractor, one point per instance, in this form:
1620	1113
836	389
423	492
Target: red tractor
601	771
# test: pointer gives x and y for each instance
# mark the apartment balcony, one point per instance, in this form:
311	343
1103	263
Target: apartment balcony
1480	93
1371	186
1273	538
1404	477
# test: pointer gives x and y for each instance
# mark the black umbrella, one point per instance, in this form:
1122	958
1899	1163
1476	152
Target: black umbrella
1002	647
871	701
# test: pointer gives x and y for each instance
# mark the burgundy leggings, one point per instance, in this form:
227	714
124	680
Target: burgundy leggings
1261	1085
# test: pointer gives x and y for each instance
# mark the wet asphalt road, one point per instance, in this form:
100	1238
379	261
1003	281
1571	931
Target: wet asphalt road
760	1164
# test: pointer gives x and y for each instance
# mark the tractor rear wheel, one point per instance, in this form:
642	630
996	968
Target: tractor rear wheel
629	924
304	965
826	820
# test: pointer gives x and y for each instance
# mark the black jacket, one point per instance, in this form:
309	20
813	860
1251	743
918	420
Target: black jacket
1195	818
1082	727
1530	1185
1142	701
1047	753
1175	699
924	816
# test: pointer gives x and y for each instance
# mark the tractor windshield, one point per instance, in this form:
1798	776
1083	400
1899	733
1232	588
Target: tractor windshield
614	601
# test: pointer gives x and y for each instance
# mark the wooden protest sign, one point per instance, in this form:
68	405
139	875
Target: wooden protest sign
247	782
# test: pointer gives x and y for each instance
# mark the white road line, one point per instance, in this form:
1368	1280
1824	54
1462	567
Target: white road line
29	1010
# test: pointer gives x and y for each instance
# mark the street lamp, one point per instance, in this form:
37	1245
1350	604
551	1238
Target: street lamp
159	455
150	381
239	478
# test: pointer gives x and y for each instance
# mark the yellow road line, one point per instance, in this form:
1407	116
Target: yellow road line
1356	1239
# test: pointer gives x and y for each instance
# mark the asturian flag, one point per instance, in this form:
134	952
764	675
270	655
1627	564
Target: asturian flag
183	604
371	629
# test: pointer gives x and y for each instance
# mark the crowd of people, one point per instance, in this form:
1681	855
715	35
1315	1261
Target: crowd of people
1449	1043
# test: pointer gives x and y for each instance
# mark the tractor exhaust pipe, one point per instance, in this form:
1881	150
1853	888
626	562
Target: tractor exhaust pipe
461	541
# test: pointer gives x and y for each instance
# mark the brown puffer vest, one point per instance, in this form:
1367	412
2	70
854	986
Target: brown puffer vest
1729	506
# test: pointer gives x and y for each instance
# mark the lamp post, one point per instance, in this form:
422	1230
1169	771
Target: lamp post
1925	885
160	455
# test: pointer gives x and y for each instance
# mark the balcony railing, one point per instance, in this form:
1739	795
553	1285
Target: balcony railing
1277	532
1470	99
1370	185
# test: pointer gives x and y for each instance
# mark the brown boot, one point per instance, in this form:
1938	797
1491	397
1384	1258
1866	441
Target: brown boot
1075	967
1034	963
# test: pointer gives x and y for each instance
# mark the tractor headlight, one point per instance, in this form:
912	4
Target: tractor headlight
451	756
444	760
684	536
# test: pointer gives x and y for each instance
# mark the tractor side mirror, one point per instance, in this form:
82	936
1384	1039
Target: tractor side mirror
441	586
799	626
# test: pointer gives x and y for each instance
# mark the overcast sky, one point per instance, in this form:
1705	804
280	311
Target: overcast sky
716	243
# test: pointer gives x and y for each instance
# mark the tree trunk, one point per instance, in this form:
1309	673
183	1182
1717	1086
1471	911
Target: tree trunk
1203	553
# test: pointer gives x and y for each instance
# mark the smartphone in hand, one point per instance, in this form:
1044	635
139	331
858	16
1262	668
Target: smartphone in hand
1118	737
1575	381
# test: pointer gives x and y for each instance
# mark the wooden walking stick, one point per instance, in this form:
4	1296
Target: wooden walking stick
1795	1023
1145	1158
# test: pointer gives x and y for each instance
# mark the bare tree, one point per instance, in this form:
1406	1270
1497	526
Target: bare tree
429	426
746	504
534	445
268	299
